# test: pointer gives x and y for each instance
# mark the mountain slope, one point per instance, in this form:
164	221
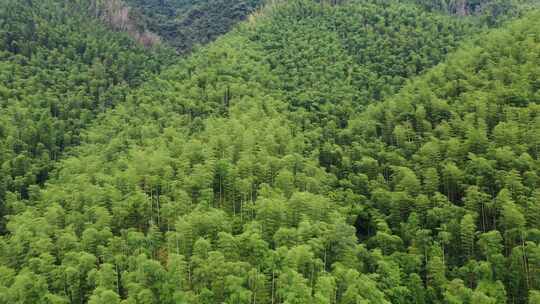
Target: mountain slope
338	58
266	168
491	11
458	151
185	24
60	68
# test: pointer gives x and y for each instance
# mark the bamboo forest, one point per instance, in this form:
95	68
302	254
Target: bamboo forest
269	151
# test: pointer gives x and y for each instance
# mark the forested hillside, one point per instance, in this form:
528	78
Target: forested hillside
340	152
187	23
490	10
456	153
59	69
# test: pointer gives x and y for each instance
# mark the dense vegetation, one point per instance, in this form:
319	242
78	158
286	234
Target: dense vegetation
188	23
491	11
318	153
456	156
59	69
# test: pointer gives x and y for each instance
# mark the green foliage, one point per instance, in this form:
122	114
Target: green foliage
59	70
490	11
300	158
478	116
333	60
184	24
